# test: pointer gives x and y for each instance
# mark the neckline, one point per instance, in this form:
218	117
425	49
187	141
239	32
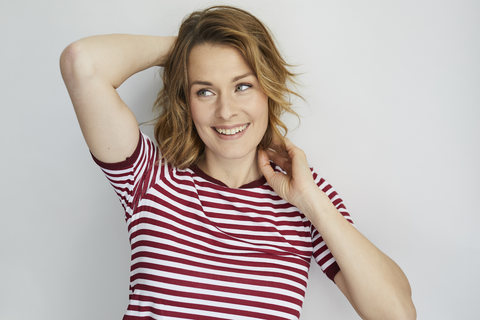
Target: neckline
253	184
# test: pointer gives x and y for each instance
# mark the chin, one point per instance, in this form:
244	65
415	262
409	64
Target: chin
234	153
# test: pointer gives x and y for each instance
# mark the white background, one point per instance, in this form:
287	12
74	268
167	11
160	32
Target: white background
391	120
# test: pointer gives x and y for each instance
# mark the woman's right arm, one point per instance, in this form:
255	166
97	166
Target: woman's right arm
92	69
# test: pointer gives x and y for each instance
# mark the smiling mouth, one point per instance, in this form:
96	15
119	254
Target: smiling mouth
231	131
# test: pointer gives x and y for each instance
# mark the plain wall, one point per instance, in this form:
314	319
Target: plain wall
391	120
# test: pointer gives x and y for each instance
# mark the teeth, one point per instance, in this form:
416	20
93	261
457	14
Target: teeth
232	131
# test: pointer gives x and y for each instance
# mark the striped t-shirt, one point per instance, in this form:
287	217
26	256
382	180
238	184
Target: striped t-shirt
202	250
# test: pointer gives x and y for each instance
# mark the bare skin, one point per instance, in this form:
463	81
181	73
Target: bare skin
93	68
372	282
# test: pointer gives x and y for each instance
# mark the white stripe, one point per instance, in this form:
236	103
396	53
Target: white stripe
212	282
236	254
327	264
218	272
211	303
182	196
183	186
324	253
217	263
264	190
261	212
249	245
228	193
175	182
222	293
183	310
280	227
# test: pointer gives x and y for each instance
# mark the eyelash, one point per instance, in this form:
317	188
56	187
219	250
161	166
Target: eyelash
201	92
243	84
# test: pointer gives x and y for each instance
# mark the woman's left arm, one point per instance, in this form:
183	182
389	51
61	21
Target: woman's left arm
372	282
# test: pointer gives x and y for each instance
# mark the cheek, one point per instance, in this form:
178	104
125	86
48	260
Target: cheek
263	111
196	114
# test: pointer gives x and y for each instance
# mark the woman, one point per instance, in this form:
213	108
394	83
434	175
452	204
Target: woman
225	213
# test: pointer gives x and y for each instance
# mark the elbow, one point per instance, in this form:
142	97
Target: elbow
75	62
412	313
401	303
406	311
402	309
397	307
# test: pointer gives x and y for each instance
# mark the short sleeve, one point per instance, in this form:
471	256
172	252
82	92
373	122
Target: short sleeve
131	177
321	253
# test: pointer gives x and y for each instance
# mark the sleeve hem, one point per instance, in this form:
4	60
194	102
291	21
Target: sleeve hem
332	270
128	162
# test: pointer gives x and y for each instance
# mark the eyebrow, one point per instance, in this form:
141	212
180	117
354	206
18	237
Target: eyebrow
206	83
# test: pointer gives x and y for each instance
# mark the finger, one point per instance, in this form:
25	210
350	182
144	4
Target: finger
295	152
291	148
300	168
276	180
281	160
278	145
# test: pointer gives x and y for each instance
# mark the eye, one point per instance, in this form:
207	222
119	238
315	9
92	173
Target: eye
204	93
242	87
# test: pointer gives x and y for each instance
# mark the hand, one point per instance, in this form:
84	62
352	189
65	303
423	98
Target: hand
297	185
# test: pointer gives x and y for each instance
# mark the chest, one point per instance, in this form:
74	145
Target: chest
191	237
243	222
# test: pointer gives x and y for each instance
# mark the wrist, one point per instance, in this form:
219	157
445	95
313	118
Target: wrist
164	46
315	204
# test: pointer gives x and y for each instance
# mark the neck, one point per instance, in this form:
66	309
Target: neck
232	172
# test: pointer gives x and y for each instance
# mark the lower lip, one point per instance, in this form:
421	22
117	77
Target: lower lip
231	136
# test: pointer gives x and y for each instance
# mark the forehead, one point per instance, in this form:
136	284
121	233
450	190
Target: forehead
215	62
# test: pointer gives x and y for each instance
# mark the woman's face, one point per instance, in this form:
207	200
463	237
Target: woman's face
228	106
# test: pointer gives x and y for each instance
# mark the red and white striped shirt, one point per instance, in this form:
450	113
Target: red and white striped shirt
202	250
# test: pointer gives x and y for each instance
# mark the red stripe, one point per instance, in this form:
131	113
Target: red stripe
231	289
232	199
229	311
220	258
180	185
261	217
199	197
262	228
215	234
216	298
210	276
159	312
193	263
243	192
255	252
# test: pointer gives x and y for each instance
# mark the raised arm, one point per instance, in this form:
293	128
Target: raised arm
373	283
92	69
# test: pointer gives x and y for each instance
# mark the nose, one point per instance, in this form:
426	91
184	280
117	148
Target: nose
226	108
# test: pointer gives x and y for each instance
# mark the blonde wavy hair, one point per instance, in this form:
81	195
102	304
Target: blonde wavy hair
175	131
